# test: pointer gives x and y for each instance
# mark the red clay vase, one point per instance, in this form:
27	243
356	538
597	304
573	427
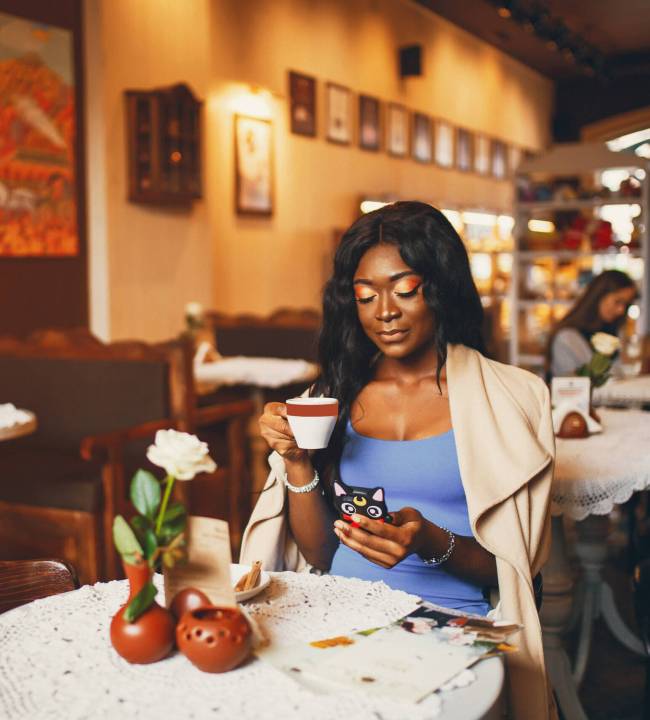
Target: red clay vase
151	637
214	639
188	599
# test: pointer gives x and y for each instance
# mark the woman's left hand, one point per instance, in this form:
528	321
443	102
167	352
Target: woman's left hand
385	544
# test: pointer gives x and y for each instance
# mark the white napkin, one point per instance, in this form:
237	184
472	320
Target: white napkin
10	415
563	409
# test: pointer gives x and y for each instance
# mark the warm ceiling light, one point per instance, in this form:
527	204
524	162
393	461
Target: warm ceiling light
504	12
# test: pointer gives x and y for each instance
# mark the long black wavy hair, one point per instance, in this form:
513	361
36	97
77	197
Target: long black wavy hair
428	244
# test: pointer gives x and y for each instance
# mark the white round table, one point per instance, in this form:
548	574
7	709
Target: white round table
592	475
56	661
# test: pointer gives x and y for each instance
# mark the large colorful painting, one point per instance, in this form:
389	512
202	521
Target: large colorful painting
38	213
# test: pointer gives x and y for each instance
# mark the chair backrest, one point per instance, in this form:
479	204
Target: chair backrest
22	581
286	333
78	386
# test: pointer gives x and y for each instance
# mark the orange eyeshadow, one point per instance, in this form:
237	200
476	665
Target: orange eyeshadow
408	284
362	292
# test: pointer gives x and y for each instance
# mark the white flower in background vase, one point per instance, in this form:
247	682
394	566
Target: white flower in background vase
605	344
181	455
597	369
194	316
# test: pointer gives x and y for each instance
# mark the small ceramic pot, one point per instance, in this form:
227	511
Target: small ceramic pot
151	636
214	639
188	599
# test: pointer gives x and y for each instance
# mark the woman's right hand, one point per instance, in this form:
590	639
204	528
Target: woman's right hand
275	429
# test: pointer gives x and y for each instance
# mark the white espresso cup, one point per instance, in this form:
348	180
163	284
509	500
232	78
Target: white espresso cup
312	420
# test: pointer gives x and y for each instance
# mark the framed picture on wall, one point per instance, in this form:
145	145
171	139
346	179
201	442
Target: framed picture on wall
482	155
253	166
397	130
339	114
499	162
38	171
422	149
302	104
444	144
464	154
369	123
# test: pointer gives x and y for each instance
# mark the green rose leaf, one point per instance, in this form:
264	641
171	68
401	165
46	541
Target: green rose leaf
174	511
125	540
141	602
145	493
171	529
150	544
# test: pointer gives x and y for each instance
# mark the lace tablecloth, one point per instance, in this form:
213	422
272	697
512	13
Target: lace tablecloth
56	662
595	473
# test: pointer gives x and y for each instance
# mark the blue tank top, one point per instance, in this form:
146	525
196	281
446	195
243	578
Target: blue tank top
423	474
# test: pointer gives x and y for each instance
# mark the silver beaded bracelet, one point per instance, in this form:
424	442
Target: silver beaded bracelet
447	553
302	488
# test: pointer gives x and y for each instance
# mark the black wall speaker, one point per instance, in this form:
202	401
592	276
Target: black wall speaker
410	60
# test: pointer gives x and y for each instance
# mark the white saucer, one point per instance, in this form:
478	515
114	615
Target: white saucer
236	571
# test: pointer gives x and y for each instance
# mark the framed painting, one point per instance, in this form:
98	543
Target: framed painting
38	152
422	146
482	155
397	130
369	123
253	166
499	164
302	104
464	154
339	114
444	144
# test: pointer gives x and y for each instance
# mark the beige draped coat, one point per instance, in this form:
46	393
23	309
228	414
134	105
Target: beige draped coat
501	418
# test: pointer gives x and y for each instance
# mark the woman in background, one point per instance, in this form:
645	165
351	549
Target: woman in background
602	308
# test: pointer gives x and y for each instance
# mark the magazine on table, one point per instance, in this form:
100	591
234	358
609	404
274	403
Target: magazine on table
406	660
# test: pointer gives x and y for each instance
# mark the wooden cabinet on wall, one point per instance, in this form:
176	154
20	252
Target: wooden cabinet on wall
164	145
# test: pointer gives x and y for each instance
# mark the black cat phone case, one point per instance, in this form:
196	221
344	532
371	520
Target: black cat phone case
355	500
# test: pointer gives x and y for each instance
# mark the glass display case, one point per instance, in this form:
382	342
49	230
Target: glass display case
569	227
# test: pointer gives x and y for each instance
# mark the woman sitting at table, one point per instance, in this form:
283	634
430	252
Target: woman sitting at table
601	308
462	446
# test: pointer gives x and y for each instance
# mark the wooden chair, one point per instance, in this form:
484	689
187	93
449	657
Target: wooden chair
22	581
53	500
285	333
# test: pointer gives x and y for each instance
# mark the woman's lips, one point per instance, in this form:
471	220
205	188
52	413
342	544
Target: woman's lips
391	336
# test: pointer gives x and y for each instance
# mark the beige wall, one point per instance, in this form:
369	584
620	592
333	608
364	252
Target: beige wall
158	260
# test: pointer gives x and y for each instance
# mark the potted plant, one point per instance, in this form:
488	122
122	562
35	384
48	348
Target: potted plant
142	631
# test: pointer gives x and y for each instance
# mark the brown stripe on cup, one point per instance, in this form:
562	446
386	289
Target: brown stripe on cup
320	409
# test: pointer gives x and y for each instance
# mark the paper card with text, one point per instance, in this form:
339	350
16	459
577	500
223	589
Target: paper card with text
208	563
572	391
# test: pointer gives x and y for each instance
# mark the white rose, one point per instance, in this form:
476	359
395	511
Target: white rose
194	310
605	344
181	455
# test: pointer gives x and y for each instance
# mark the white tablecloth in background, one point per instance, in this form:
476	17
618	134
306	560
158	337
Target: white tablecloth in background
624	391
261	372
593	474
56	661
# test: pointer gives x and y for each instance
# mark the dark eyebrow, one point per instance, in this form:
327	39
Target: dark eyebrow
392	278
